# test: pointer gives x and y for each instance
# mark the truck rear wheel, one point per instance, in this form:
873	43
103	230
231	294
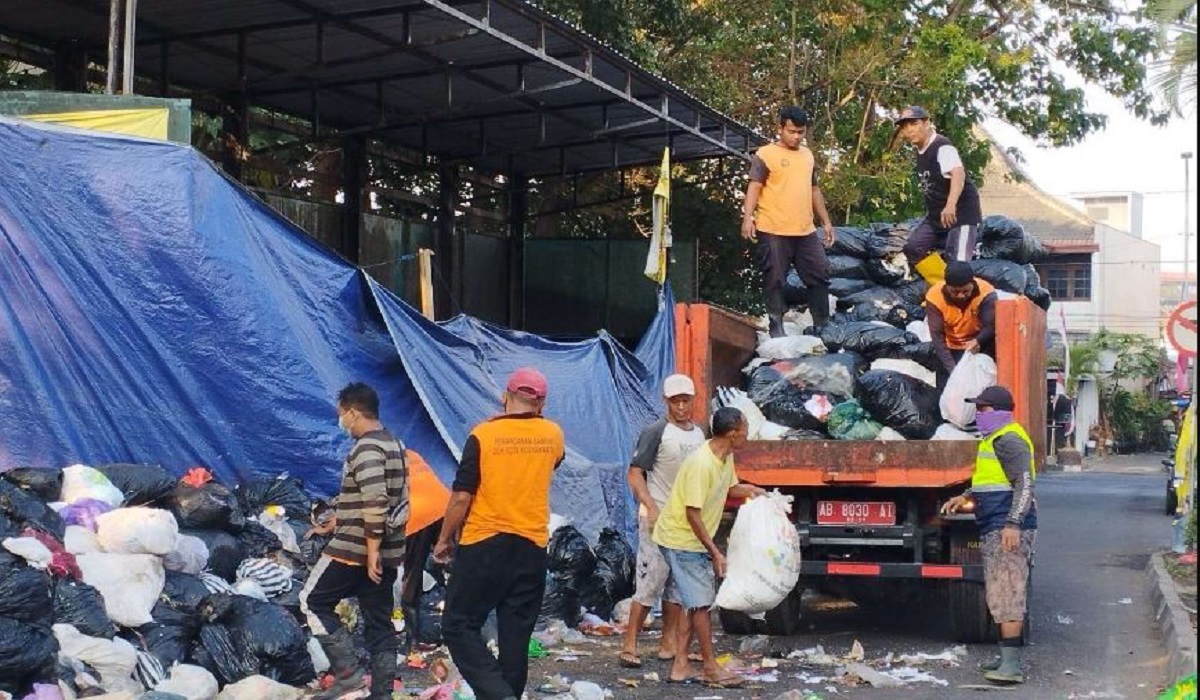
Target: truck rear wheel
781	621
970	620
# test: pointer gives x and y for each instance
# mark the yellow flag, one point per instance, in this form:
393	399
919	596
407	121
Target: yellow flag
148	123
660	234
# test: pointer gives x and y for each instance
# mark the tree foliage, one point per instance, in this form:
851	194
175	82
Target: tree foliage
1119	362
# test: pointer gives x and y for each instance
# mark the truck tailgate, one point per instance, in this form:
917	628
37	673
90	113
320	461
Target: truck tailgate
884	464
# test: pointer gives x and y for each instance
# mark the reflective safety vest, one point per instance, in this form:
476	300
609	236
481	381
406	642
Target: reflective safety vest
989	474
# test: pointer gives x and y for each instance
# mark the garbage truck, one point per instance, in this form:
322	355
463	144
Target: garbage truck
868	512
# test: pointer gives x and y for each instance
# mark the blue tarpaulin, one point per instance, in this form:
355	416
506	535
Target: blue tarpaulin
154	311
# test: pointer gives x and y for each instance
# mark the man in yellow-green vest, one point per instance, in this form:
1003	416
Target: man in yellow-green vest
1006	513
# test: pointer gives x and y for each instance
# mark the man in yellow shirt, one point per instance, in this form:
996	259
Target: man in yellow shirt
684	532
777	214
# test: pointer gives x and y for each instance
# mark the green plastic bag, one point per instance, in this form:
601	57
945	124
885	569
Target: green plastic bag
850	421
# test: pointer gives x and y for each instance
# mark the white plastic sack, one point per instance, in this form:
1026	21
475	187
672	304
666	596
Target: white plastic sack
316	652
33	552
258	688
137	530
973	373
114	659
949	431
763	563
274	519
130	584
191	682
889	434
759	427
908	367
921	330
190	556
250	588
80	481
791	346
80	540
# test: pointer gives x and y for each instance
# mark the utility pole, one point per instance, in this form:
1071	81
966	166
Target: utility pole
1187	286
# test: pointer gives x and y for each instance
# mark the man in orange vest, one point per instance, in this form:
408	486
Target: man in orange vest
961	313
777	214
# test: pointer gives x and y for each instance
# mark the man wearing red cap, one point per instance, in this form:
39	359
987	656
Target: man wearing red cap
501	504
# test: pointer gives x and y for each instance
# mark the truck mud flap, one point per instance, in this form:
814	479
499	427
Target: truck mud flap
958	572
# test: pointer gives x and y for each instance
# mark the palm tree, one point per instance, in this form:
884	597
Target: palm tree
1176	79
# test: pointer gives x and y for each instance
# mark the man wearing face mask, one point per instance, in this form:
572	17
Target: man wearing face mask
367	547
961	313
501	503
1006	514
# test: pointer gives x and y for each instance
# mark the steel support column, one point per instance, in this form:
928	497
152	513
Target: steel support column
448	244
354	176
518	206
70	67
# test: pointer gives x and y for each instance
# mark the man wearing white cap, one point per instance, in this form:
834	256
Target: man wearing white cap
660	450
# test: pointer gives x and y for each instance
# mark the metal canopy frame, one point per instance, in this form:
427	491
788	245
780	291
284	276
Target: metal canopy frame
498	85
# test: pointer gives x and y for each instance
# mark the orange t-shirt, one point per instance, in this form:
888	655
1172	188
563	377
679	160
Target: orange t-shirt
508	464
427	495
785	206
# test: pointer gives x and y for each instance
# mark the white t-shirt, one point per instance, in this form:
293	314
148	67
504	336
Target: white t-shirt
675	446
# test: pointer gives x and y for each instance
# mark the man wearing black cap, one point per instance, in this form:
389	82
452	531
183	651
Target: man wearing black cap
961	313
952	210
1006	514
778	214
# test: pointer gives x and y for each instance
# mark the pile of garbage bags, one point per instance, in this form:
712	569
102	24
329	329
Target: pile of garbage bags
582	580
871	371
125	578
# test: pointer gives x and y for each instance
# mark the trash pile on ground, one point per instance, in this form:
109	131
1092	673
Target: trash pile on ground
122	578
871	371
584	586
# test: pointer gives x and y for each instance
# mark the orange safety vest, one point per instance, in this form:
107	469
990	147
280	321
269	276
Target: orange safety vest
962	325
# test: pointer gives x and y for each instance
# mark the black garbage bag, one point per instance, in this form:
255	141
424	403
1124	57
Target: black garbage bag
141	483
840	287
181	600
886	239
594	597
225	551
81	605
903	314
1003	274
170	644
258	541
44	483
569	554
266	630
880	298
561	601
847	267
833	373
870	340
889	270
794	292
1039	296
1002	238
913	293
8	528
429	615
25	592
858	313
27	653
922	353
211	506
903	403
285	491
615	563
765	381
24	509
787	407
805	435
852	241
223	657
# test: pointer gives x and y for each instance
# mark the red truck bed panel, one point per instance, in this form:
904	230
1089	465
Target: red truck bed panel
914	463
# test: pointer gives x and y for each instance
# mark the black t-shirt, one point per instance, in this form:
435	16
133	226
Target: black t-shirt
936	187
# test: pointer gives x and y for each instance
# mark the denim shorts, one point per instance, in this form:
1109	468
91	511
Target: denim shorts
692	582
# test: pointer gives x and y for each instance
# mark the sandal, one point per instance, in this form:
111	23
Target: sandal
690	680
694	658
629	660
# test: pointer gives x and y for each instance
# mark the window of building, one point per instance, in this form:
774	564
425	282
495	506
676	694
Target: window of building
1068	277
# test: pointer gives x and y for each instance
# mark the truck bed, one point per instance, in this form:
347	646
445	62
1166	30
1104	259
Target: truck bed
911	463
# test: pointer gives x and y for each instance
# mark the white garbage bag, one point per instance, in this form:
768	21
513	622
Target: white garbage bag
31	550
137	530
274	518
949	431
759	427
258	688
763	563
921	330
130	584
889	434
909	367
80	540
191	682
80	481
973	373
790	346
190	556
114	659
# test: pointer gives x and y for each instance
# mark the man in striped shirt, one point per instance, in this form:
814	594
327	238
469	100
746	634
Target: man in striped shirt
367	547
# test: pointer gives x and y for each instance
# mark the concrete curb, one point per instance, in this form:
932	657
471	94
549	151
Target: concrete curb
1171	619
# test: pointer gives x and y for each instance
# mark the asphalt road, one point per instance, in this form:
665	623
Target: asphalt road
1091	638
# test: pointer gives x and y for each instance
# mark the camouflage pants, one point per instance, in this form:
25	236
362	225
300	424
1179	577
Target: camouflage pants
1006	575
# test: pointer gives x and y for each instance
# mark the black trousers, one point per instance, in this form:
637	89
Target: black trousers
807	254
956	242
505	573
331	581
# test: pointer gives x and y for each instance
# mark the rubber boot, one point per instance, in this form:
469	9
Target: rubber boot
775	325
343	664
383	674
1009	671
991	664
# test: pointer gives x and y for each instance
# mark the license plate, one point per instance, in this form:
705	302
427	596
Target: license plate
856	513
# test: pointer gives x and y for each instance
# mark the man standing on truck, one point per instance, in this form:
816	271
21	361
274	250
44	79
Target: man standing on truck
660	451
684	532
1006	514
961	313
777	214
952	205
501	502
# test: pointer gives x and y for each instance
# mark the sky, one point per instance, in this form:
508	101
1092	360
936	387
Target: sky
1128	155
